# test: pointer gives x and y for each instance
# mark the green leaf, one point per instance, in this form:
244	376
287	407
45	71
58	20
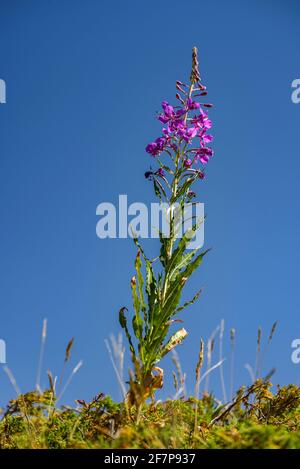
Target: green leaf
123	323
158	189
152	288
137	322
183	189
163	249
192	266
174	291
183	262
172	299
140	282
181	247
188	303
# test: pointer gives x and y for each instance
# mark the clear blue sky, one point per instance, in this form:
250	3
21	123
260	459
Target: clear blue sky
84	80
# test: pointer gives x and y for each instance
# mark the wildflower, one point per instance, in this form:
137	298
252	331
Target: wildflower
203	155
156	147
188	163
206	138
202	121
167	131
180	113
168	112
168	109
191	194
189	133
160	172
192	104
180	128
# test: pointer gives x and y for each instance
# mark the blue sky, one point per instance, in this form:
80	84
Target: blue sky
84	80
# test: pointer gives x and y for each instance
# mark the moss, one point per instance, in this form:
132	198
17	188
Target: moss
256	419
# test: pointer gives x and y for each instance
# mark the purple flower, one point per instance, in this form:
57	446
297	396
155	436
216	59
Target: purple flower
167	130
168	112
192	104
206	138
164	119
187	163
203	155
191	194
168	109
152	149
156	147
180	113
190	133
160	172
180	127
202	121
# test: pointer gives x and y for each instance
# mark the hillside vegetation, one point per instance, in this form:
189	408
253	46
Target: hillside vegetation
256	418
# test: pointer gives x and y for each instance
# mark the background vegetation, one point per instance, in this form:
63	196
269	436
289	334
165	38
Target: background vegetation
256	418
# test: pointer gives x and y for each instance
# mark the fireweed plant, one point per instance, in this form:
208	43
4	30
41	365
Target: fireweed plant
181	153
